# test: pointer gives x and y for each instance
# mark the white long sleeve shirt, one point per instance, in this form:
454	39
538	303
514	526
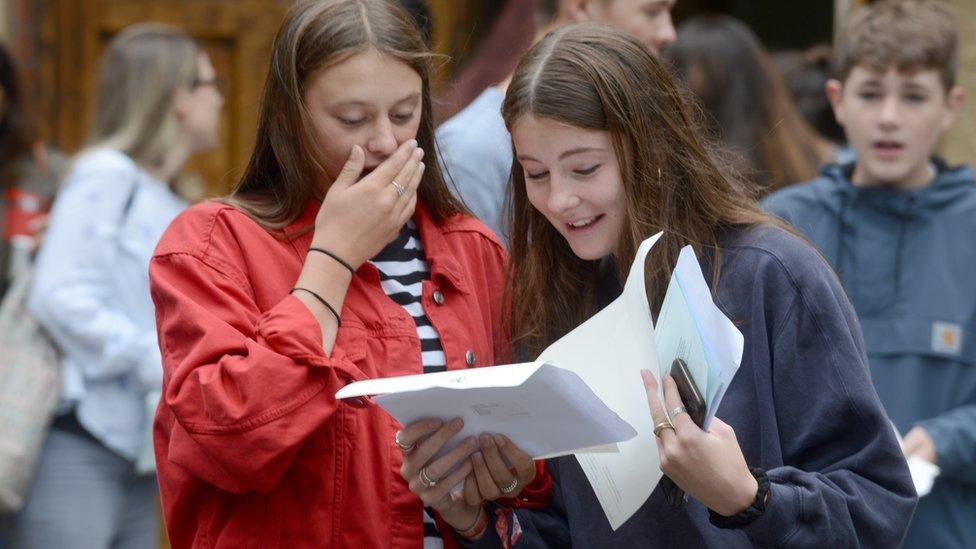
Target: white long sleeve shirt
91	292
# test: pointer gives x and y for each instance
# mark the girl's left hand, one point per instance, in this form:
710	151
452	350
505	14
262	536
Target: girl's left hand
708	465
500	470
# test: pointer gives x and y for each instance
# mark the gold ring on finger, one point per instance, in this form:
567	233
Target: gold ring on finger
662	426
511	487
400	189
426	480
405	448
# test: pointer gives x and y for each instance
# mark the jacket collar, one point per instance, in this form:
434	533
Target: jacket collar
444	267
947	187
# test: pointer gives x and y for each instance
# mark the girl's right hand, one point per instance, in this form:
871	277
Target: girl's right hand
359	217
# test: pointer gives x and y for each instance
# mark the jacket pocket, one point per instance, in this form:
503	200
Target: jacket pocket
931	338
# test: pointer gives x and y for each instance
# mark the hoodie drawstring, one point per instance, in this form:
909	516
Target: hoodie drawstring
844	203
905	219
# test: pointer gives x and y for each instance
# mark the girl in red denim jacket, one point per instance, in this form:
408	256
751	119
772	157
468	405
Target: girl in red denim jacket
339	256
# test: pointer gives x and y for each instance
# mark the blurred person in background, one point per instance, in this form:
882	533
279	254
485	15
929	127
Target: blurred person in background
747	108
158	104
895	222
475	147
805	73
29	175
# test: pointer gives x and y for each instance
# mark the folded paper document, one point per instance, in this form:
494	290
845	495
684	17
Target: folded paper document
544	409
595	396
691	327
611	348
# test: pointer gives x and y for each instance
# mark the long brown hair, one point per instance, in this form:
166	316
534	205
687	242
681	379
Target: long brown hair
285	171
595	77
747	105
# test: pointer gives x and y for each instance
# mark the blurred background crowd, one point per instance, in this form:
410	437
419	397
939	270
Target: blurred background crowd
756	68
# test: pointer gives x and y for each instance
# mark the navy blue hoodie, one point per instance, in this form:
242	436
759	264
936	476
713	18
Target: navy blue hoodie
803	408
908	261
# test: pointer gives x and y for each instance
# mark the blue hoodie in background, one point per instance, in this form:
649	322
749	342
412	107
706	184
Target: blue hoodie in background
908	262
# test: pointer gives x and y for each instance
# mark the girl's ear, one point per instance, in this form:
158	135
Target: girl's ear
578	10
181	102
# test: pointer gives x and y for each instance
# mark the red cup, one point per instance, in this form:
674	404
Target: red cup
23	208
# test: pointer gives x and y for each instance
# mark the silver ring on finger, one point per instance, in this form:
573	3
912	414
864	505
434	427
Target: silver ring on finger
400	189
426	480
676	411
405	448
511	487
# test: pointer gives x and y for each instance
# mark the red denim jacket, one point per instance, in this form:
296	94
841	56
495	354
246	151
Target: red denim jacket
252	448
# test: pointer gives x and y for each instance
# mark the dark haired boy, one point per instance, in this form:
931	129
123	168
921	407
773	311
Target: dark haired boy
898	224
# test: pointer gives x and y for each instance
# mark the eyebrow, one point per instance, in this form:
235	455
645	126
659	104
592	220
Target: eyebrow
412	96
915	86
579	150
570	152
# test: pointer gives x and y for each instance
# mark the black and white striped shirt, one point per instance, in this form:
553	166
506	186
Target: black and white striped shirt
403	268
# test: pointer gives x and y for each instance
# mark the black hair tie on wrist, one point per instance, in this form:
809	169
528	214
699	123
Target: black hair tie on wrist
323	302
341	261
752	512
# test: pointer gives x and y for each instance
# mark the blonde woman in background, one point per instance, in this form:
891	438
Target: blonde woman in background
158	105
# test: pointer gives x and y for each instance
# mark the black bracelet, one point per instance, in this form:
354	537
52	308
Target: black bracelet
752	512
341	261
323	302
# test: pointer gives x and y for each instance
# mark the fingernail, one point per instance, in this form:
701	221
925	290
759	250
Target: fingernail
457	424
422	166
500	441
413	142
435	424
485	440
478	458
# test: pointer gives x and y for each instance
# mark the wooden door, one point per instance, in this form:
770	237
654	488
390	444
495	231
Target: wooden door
237	34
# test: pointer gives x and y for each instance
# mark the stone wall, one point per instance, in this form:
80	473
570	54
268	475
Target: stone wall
959	145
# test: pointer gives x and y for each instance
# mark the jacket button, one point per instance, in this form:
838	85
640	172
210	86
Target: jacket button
470	358
438	297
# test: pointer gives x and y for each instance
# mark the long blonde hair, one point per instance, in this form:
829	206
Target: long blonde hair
140	72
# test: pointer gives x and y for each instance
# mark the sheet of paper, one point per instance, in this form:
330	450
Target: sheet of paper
544	409
608	351
691	327
923	472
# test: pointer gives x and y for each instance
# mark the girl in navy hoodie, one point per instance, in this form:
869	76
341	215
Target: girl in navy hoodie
803	454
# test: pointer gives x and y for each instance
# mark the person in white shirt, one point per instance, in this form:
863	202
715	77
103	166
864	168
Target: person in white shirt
158	104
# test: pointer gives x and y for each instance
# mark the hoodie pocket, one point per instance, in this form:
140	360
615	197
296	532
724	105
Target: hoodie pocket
932	338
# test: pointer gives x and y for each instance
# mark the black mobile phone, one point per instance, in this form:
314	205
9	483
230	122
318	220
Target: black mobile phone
691	397
694	403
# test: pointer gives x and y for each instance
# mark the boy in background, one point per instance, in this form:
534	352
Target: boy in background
897	224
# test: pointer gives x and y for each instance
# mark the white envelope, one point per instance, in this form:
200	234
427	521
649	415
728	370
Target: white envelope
545	410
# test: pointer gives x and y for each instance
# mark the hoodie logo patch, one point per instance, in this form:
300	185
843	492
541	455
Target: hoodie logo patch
946	338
